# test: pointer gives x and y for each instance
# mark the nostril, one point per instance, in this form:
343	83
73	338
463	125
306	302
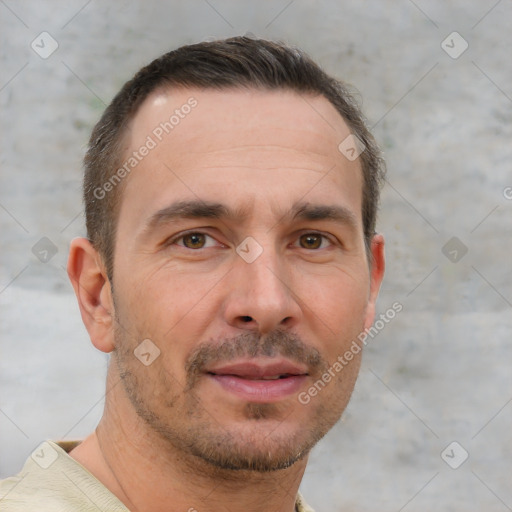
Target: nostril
246	319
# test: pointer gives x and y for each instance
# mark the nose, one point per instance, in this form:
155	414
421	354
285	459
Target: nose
261	296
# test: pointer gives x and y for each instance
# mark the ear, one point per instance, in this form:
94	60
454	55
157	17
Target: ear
376	275
92	288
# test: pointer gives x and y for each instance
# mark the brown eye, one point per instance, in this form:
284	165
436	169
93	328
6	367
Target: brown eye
311	241
194	240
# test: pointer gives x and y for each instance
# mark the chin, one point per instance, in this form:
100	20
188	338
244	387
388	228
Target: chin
261	456
259	444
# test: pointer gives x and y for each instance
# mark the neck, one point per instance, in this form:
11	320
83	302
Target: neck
148	473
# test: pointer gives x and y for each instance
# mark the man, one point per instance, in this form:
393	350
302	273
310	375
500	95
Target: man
231	192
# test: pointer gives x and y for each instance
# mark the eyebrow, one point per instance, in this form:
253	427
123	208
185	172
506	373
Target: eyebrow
194	209
336	213
197	209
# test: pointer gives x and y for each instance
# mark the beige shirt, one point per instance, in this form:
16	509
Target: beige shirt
52	481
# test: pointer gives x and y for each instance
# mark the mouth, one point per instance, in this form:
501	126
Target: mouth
260	380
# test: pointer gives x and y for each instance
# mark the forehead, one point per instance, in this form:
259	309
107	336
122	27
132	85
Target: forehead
209	142
257	117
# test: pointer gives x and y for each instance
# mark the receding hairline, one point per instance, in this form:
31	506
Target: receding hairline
170	89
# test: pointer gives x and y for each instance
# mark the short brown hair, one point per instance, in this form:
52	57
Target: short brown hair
237	62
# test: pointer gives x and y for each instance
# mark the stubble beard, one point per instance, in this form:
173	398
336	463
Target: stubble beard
185	424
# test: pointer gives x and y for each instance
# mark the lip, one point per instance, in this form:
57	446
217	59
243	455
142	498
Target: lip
259	368
249	379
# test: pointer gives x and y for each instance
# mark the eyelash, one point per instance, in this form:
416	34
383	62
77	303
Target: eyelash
174	240
183	235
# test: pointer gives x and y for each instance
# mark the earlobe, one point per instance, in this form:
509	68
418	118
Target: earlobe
93	292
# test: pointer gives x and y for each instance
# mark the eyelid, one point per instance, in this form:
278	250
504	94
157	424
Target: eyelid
330	238
182	234
172	240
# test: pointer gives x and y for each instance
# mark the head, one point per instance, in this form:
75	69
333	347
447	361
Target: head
238	63
228	230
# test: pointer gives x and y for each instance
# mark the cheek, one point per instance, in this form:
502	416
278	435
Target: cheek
340	300
150	388
150	301
337	312
179	302
171	309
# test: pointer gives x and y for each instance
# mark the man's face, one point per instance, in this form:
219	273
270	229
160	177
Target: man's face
244	326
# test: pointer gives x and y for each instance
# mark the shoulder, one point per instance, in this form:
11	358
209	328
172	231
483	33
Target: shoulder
52	481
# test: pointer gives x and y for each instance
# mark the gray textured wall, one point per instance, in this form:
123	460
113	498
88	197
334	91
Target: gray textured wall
439	372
